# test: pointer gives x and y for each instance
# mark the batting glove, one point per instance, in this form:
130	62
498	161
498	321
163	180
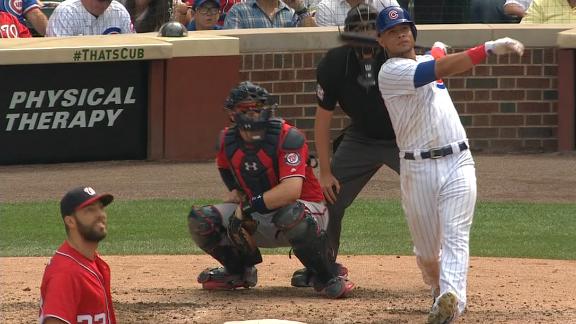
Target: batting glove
439	50
503	46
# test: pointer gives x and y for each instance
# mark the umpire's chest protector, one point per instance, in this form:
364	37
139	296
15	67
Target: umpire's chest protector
255	165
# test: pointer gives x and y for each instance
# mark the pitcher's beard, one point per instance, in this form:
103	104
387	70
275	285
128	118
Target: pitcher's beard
90	234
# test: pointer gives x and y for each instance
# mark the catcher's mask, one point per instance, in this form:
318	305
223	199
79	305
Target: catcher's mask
249	106
362	19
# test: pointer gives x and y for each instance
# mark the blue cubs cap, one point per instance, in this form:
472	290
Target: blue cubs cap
392	16
80	197
199	3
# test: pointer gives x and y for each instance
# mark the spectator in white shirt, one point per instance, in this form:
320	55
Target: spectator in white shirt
89	17
333	12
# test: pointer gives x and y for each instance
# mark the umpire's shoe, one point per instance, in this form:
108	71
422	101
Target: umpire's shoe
305	278
220	279
337	287
444	309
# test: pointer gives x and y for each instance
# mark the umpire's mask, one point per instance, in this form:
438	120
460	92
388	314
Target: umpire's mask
362	19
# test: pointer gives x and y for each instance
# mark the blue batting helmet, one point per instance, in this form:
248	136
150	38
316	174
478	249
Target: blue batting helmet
392	16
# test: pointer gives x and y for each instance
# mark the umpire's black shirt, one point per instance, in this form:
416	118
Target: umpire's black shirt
337	75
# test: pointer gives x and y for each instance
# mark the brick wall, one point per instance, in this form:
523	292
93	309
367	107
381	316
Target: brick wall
508	104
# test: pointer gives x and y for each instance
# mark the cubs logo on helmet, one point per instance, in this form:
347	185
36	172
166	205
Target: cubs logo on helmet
392	16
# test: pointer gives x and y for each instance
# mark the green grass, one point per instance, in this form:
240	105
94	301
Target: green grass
545	231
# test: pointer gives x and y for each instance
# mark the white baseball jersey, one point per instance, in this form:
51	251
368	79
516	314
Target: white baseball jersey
423	117
71	18
333	12
438	195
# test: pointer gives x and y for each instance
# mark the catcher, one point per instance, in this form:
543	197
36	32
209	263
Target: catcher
274	200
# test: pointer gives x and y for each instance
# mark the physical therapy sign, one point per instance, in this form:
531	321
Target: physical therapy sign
73	112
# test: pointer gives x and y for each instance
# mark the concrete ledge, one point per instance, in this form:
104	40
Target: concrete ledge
459	36
82	49
201	43
284	39
567	39
234	42
532	35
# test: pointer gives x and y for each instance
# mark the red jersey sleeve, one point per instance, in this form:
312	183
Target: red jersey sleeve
59	295
291	162
23	31
221	160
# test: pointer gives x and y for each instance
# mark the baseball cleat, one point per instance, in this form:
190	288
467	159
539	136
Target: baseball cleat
220	279
444	309
338	287
304	278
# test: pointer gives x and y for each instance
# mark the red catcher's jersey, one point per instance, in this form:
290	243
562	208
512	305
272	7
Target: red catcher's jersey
75	289
291	163
10	27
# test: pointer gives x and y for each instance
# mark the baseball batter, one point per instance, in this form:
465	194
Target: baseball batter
90	17
76	283
437	174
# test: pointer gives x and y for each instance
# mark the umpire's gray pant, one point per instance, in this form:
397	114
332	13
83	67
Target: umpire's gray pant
355	161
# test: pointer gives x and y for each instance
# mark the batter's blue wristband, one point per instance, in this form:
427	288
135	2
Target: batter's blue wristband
257	203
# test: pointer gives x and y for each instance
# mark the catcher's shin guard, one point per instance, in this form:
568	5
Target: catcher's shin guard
205	226
308	241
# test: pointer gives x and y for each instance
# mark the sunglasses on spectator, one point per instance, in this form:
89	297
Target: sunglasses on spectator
208	11
104	1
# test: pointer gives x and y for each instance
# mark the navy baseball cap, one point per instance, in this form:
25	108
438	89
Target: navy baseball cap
81	197
199	3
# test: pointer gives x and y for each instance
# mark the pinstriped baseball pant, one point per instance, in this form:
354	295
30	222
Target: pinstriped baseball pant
438	198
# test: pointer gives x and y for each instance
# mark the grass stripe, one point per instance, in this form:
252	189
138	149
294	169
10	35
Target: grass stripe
158	226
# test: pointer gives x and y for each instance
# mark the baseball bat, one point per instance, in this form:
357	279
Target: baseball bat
358	40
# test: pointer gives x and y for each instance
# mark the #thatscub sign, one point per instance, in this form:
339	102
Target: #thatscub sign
73	112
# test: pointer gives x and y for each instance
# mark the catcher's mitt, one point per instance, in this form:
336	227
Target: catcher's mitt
240	231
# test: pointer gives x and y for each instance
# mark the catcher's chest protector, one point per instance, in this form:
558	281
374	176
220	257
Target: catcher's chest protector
254	166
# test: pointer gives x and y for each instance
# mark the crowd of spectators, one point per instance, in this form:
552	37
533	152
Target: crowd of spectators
27	18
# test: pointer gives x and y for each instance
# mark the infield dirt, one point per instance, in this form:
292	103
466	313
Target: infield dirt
152	289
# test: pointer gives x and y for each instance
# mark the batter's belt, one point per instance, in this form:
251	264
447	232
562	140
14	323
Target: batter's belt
435	153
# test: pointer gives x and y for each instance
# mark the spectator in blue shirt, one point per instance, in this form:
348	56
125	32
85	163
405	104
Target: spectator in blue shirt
26	10
205	14
269	14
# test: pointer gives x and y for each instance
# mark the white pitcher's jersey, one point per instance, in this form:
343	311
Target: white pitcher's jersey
71	18
423	117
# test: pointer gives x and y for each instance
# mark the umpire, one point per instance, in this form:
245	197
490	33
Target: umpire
347	76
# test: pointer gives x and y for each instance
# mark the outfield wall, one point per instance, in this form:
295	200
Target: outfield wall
508	104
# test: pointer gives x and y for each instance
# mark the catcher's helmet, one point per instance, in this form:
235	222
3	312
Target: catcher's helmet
247	96
173	29
392	16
